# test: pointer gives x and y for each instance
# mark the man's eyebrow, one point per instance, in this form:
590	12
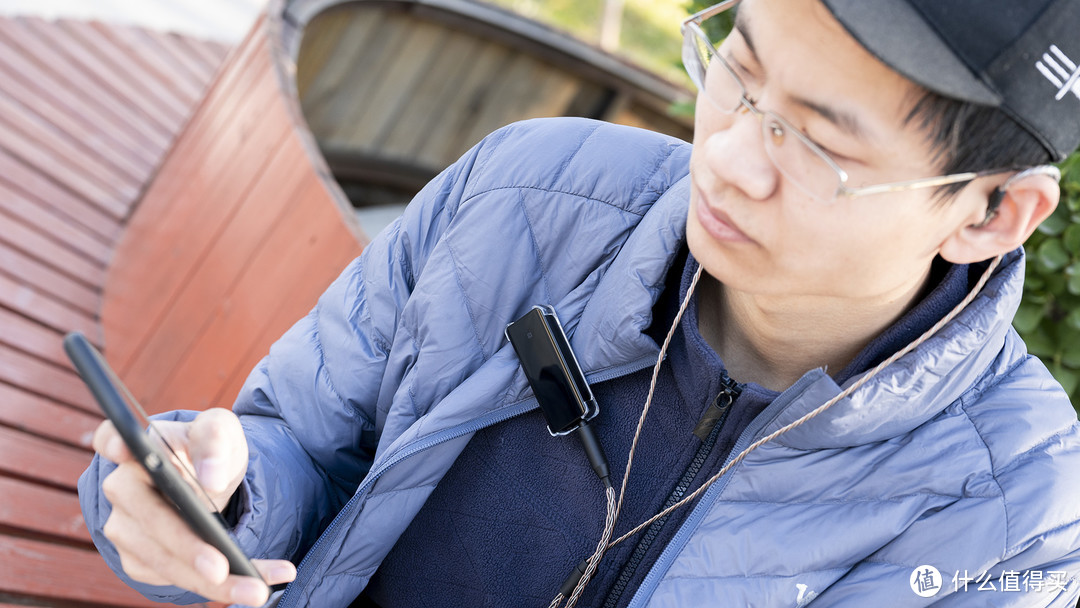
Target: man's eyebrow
845	121
743	26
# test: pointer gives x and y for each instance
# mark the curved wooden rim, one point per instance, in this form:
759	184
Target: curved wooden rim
286	20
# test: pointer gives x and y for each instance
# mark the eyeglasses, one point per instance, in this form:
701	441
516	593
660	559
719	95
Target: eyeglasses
797	157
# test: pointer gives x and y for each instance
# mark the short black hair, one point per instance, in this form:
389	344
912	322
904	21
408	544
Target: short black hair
969	137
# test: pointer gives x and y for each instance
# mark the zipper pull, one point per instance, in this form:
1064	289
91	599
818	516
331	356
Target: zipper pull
718	409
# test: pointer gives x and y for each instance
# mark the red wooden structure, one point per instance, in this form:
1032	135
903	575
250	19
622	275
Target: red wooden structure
184	228
87	112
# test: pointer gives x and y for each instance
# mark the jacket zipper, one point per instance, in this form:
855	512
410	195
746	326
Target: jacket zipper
317	552
672	550
716	414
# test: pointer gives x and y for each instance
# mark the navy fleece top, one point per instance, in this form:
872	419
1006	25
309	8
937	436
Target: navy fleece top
520	509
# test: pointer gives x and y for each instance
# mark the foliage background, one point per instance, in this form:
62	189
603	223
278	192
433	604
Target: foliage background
1049	315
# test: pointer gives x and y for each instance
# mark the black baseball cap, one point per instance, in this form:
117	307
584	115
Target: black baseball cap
1022	56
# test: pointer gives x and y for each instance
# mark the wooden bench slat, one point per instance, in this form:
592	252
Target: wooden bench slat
261	206
184	58
36	415
190	200
111	200
150	56
26	456
31	337
40	509
63	232
44	249
160	98
132	99
52	572
25	73
80	135
93	91
42	187
43	279
57	383
45	309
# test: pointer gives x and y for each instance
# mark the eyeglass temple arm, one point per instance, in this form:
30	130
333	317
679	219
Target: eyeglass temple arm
700	16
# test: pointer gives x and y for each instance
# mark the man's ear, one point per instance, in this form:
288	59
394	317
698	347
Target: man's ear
1028	200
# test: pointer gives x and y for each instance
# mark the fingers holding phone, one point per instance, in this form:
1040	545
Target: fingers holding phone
156	546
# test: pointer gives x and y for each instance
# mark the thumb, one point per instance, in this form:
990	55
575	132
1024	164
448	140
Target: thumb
218	451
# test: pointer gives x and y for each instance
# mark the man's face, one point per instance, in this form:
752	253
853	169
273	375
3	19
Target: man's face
754	230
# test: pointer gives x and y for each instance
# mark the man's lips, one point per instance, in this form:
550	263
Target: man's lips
718	224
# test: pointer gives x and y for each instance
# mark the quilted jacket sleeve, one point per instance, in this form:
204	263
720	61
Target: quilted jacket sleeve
308	408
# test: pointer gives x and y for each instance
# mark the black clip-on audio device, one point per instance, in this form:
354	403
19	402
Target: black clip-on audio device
557	381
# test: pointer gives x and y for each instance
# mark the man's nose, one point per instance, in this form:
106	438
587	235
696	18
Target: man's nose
734	151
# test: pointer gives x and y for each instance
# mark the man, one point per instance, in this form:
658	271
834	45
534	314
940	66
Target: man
841	401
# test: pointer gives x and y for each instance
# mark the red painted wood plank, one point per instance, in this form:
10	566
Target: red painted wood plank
173	44
21	333
199	49
40	247
81	135
112	200
119	64
275	190
63	146
151	57
60	384
88	61
40	277
195	193
224	106
45	309
36	569
318	260
94	92
29	457
41	187
45	418
62	230
24	72
42	510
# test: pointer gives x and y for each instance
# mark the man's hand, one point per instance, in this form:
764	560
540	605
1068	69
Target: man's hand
156	546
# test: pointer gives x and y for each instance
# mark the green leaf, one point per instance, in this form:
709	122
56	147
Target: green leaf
1073	320
1070	356
1040	344
1052	255
1027	317
1071	239
1069	378
1073	272
1056	223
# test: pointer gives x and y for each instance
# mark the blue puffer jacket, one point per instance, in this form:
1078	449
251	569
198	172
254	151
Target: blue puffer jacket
962	455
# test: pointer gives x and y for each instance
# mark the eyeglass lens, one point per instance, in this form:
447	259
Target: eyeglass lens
788	149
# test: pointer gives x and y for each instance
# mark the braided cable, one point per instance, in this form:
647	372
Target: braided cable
813	413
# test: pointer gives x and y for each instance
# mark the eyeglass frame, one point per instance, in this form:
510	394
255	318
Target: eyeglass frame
691	26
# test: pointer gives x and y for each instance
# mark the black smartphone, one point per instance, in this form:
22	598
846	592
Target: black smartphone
119	406
552	370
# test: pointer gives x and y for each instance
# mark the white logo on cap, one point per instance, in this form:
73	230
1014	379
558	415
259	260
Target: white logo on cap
1061	71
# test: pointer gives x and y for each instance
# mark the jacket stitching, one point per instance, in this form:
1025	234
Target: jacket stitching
465	301
536	247
752	576
554	191
976	390
897	498
573	155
